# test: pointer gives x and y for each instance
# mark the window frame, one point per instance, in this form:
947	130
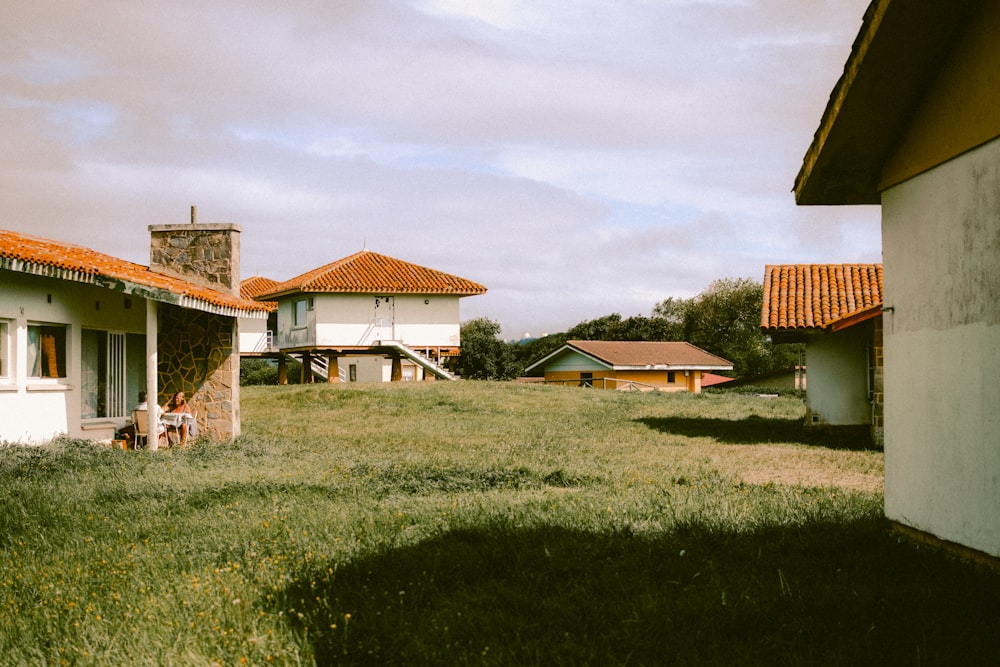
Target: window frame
36	356
301	319
6	327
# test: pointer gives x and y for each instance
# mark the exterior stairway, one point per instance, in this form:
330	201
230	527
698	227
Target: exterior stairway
321	367
429	365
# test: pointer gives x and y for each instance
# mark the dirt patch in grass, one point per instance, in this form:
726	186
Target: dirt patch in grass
856	471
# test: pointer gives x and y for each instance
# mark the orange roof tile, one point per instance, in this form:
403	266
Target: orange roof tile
31	254
254	285
804	297
369	272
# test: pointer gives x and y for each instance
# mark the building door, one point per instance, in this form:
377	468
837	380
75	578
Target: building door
383	314
103	374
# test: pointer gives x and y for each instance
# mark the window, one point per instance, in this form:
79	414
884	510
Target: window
46	351
671	377
299	309
4	346
112	372
586	379
353	372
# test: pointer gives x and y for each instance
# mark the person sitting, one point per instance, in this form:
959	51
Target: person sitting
182	424
129	430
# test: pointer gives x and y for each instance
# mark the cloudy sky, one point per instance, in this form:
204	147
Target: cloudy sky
579	158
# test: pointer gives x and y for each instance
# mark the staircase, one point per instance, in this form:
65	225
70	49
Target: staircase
429	365
321	366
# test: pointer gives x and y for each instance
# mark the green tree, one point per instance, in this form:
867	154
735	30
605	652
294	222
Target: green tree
484	355
531	351
725	320
602	328
671	314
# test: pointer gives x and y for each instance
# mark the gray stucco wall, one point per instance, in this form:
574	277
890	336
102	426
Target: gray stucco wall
941	239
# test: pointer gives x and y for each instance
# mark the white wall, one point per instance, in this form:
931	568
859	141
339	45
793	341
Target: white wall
941	239
376	369
37	409
287	335
253	335
838	392
345	320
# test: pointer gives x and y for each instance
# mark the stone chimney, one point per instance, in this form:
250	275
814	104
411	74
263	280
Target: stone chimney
205	254
199	351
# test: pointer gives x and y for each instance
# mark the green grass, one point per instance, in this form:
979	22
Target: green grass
478	524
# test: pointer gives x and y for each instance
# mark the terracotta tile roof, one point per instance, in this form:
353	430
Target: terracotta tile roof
712	379
639	355
40	256
254	285
370	272
819	297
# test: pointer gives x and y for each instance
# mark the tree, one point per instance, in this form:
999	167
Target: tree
725	320
484	355
671	314
603	328
531	351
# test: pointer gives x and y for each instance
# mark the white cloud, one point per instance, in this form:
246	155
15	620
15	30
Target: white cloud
577	158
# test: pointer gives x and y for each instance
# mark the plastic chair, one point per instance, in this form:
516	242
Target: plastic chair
141	425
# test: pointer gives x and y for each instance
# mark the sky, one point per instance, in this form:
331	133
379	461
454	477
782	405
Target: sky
578	158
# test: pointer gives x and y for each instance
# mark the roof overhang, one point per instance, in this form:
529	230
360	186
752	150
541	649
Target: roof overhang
671	367
803	334
565	349
893	60
129	287
860	316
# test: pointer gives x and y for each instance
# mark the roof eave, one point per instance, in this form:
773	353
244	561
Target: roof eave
273	296
564	349
856	318
893	60
128	287
674	367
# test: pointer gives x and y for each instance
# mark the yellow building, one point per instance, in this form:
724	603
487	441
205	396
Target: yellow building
629	365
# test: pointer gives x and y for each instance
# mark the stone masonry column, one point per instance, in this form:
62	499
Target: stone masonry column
199	351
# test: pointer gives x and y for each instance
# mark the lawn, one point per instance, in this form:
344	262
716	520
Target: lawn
478	524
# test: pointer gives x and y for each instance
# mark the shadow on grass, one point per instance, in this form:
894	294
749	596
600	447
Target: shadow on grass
756	430
822	594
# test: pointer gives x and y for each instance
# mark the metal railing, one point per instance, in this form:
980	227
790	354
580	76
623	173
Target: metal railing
591	383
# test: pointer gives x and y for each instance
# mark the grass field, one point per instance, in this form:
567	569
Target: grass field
478	524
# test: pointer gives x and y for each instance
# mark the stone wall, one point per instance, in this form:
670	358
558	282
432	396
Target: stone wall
878	393
205	254
199	352
199	355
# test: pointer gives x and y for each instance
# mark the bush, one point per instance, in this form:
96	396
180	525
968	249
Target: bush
255	371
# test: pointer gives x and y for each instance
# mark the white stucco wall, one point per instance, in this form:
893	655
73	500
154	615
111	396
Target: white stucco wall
345	320
36	409
376	369
838	392
253	335
941	238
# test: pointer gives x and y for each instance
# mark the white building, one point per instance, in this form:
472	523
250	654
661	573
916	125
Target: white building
82	333
914	125
340	316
